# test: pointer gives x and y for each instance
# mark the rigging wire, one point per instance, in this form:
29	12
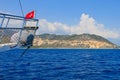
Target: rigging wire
23	16
21	8
23	53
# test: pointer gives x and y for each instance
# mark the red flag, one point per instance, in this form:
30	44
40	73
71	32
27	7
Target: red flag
30	15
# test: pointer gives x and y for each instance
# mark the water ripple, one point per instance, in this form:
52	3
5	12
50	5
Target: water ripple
60	64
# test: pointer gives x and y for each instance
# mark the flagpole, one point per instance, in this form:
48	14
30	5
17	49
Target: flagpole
35	13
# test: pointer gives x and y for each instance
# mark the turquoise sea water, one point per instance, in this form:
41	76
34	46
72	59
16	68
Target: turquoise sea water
60	64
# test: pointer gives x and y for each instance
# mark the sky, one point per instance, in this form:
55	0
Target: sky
99	17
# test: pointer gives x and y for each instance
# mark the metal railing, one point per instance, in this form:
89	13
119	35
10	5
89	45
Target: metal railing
7	30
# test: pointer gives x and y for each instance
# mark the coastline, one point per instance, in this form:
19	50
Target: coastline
74	48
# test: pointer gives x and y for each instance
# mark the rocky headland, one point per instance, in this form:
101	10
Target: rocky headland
72	41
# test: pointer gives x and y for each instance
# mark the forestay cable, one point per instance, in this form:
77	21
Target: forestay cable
21	8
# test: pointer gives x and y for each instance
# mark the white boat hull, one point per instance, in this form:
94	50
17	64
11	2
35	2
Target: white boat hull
8	46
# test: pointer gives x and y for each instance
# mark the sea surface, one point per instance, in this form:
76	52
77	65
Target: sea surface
60	64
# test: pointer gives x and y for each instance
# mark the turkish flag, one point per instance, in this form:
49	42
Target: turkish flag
30	15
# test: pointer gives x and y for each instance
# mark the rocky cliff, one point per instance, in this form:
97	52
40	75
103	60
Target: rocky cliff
72	41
